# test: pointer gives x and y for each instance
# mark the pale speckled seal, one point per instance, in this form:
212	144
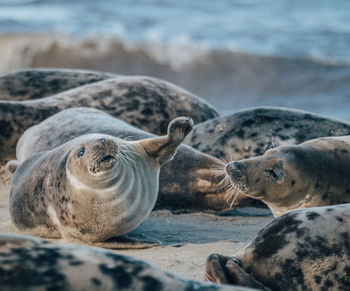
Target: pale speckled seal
93	187
306	249
144	102
314	173
32	84
189	181
249	133
27	263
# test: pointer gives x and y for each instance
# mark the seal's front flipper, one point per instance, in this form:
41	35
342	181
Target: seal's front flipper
164	148
224	270
129	241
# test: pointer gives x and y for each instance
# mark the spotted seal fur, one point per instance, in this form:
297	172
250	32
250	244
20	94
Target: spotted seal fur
33	83
306	249
314	173
144	102
251	132
93	187
27	263
188	182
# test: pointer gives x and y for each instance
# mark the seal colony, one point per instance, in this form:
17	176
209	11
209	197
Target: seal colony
306	249
144	102
93	187
314	173
188	182
31	264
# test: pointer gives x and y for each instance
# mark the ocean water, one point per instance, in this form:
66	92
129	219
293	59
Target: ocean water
234	53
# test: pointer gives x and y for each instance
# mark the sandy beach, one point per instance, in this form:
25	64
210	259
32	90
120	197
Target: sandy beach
187	239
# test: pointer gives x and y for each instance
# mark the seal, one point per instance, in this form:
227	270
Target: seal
306	249
250	133
27	263
93	187
144	102
314	173
32	84
188	182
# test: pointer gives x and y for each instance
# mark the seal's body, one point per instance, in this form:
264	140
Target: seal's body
93	187
306	249
314	173
249	133
189	181
33	84
27	263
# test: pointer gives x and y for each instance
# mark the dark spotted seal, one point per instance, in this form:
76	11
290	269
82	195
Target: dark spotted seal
189	181
314	173
27	263
32	84
144	102
307	249
249	133
93	187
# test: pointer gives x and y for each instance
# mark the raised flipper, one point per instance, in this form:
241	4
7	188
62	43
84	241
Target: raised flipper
129	241
164	148
225	270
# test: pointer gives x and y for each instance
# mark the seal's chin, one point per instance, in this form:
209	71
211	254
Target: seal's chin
103	164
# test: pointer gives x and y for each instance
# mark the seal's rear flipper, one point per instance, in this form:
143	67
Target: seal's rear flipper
164	148
224	270
129	241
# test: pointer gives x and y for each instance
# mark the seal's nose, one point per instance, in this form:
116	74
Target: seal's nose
102	140
234	170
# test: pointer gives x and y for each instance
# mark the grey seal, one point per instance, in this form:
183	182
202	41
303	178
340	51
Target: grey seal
28	263
251	132
313	173
33	83
306	249
93	187
189	182
144	102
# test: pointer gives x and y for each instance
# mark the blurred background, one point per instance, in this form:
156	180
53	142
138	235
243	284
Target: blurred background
234	53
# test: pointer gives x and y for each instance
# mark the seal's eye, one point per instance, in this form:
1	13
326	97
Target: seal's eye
81	152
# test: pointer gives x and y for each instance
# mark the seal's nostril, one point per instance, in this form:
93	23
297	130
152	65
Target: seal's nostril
102	140
235	166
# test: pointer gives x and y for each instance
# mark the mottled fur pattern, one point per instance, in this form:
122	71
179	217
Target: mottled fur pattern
249	133
306	249
188	182
31	264
33	84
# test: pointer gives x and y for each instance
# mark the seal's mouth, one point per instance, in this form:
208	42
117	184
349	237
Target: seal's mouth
104	163
107	159
235	172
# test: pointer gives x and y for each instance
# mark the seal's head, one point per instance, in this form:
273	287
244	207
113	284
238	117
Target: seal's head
282	176
94	159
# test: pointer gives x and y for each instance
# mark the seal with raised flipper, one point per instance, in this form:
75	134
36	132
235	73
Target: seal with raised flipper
314	173
28	263
93	187
306	249
188	182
